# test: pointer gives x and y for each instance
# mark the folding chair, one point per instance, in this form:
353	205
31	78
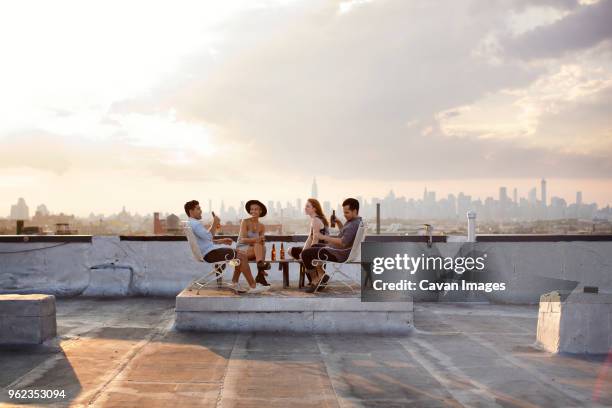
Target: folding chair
216	272
354	256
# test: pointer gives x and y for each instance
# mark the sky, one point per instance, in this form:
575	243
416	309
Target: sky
150	104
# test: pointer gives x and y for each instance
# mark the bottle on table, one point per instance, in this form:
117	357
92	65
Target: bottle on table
282	252
273	252
332	219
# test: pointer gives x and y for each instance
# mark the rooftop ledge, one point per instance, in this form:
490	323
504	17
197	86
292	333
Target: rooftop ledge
302	238
71	265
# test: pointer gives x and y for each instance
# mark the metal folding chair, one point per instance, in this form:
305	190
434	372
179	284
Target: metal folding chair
216	272
332	268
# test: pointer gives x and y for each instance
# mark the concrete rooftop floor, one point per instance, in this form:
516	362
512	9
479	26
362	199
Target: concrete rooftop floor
123	352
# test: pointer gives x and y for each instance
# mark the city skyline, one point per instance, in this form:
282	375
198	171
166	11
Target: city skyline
534	197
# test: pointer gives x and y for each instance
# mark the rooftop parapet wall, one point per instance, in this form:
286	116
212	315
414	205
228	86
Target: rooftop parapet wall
163	266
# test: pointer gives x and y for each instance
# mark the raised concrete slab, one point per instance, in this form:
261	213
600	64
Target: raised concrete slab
336	310
27	319
579	323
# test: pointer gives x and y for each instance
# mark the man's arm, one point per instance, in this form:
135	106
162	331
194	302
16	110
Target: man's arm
333	241
225	241
199	230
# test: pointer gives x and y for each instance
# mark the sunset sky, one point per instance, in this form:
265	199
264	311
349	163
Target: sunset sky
149	104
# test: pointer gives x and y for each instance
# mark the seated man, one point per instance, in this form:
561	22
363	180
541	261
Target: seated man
214	252
337	248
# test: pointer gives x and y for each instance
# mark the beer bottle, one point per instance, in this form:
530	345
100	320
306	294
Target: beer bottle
332	219
273	252
282	252
219	225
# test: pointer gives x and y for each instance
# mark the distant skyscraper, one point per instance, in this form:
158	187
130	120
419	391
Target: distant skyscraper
578	198
20	211
543	192
42	210
532	196
503	195
515	195
315	190
326	208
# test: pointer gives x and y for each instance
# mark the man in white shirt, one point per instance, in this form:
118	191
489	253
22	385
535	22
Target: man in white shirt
216	250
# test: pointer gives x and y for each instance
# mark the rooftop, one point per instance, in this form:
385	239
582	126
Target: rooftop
124	352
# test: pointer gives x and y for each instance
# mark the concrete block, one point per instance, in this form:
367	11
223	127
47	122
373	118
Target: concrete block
289	311
244	322
579	323
27	319
27	305
363	322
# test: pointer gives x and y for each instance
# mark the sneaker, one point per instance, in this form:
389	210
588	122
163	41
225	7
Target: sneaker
258	289
237	287
324	281
311	289
322	286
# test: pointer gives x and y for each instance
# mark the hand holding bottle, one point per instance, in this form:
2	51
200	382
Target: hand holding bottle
216	220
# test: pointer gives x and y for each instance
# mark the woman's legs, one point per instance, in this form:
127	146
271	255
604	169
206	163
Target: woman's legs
253	252
295	252
316	252
244	268
250	253
259	251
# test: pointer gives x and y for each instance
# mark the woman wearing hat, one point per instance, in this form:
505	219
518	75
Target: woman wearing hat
252	240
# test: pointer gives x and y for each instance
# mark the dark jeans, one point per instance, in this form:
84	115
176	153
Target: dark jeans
295	252
220	254
317	251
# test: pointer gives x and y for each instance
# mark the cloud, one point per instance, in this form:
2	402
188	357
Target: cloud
330	93
584	28
59	154
302	90
568	109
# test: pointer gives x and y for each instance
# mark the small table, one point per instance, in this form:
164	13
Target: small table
284	265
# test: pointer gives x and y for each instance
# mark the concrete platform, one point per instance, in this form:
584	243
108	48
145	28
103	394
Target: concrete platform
27	319
335	310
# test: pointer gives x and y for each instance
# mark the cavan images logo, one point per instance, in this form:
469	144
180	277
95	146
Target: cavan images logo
406	264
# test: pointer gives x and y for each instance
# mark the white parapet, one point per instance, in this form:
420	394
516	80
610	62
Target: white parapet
580	323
